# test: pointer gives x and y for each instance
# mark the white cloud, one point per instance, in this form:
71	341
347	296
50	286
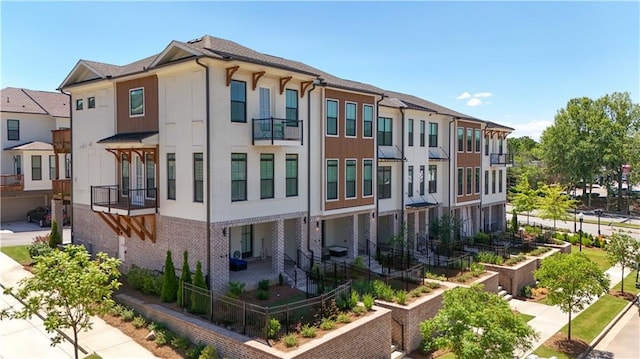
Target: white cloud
533	128
483	94
463	96
473	102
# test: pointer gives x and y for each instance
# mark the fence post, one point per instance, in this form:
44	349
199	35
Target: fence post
210	306
287	320
244	317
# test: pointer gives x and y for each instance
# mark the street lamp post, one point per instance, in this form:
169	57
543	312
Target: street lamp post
599	213
575	212
581	217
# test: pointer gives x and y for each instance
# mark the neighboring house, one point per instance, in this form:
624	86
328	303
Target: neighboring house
28	157
226	152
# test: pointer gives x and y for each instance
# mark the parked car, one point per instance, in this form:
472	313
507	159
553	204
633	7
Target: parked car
42	215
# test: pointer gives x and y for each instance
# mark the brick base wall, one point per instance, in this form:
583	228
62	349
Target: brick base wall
514	278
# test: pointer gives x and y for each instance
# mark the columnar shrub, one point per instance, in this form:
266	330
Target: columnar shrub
169	281
185	277
54	236
199	302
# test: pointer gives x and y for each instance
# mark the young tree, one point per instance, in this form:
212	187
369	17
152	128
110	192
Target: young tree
169	281
198	300
554	204
67	288
624	250
54	236
185	277
572	281
476	324
446	228
525	198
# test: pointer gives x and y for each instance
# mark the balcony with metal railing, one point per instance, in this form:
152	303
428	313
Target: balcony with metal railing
114	199
277	132
11	182
501	159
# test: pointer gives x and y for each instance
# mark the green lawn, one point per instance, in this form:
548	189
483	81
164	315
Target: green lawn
19	253
545	352
629	282
525	317
595	254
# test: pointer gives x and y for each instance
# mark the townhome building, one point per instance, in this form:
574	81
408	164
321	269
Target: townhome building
251	162
34	171
495	161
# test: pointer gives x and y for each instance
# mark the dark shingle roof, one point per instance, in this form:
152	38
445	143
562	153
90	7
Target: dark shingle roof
32	146
128	137
55	103
38	102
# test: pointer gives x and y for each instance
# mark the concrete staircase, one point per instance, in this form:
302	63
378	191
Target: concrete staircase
503	294
395	353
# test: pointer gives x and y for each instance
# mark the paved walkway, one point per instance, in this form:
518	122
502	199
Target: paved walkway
28	338
550	319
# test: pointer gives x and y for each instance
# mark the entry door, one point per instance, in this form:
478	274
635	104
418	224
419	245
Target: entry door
137	185
246	241
265	109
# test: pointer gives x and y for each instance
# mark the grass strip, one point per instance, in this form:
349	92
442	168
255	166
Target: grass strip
19	253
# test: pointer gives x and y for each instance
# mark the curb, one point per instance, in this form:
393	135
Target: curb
607	329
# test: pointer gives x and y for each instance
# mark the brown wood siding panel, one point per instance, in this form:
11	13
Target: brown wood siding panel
469	159
342	148
148	122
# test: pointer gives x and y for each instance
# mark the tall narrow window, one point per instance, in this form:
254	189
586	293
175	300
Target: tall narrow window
385	132
422	180
469	139
292	107
332	180
292	175
433	178
367	178
79	104
410	132
350	179
150	169
384	182
493	181
198	177
266	175
13	130
460	139
433	134
367	121
500	145
486	145
332	117
171	176
469	181
125	179
486	182
477	140
500	181
238	101
350	110
264	103
36	168
52	167
238	177
460	181
136	102
477	180
410	181
17	161
67	165
422	129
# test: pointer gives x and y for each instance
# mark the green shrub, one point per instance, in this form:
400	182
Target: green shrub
153	326
262	294
263	284
308	331
487	257
499	260
327	324
194	351
482	238
434	276
362	286
39	246
401	297
477	269
128	314
586	242
514	260
273	328
185	277
208	352
54	237
235	289
290	340
359	310
343	318
181	343
383	291
358	263
169	281
353	299
526	292
538	251
139	321
199	302
367	300
116	310
163	337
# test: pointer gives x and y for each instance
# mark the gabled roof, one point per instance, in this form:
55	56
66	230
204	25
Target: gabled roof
32	146
30	101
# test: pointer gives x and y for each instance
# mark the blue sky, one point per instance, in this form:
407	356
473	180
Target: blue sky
515	63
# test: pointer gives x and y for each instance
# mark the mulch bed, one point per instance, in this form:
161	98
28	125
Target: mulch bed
626	295
574	347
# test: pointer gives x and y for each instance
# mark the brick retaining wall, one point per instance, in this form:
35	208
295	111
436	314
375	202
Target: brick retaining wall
514	278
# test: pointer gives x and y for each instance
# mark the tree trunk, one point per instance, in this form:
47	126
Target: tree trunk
619	190
75	341
622	282
568	332
590	191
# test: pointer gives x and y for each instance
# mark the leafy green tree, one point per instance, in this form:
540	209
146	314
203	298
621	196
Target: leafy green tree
572	280
624	250
54	237
185	277
476	324
169	281
67	288
199	300
525	198
554	204
446	228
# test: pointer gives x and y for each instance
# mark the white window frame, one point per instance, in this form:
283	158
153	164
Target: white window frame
373	120
326	180
143	102
355	121
373	184
326	114
355	181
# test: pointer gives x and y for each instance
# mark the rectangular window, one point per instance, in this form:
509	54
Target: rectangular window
493	181
150	169
477	180
422	180
460	139
500	181
332	117
332	180
36	168
384	182
17	161
291	175
238	177
367	178
52	167
264	108
198	177
79	104
350	176
385	131
486	182
469	180
486	145
125	178
433	178
460	181
238	101
367	121
410	182
477	140
67	165
351	110
136	102
13	130
500	145
433	134
171	176
410	134
292	108
266	176
469	139
422	129
91	102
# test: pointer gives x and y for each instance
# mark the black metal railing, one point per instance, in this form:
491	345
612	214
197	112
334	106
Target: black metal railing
501	159
290	266
277	129
115	197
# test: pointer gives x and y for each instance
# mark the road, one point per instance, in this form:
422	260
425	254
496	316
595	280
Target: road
622	341
22	233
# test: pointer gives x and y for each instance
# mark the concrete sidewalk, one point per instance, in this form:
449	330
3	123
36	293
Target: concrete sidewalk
550	319
28	338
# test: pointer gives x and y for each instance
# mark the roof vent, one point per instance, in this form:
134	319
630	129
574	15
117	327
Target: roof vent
194	40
